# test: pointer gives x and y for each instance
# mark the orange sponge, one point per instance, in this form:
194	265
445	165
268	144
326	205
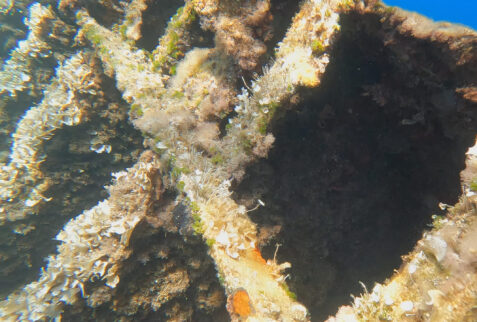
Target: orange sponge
241	303
256	255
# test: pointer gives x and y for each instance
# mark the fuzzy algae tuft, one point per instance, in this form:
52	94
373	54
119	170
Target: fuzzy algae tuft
200	130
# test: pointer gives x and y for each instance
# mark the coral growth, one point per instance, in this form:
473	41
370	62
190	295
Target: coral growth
240	27
166	240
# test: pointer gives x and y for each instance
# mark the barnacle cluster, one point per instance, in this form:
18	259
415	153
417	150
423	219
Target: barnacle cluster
205	110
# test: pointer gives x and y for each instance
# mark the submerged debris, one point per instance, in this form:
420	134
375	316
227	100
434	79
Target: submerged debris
147	248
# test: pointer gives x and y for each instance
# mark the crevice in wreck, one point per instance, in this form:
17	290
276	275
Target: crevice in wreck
12	113
105	13
283	12
360	165
154	21
12	31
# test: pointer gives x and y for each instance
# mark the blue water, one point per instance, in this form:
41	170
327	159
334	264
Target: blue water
456	11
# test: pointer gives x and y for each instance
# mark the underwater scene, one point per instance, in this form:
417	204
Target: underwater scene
236	160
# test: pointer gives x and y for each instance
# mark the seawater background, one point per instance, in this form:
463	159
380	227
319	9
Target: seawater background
457	11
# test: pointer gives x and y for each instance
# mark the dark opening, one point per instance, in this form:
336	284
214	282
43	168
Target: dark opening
13	29
360	165
105	13
282	11
154	21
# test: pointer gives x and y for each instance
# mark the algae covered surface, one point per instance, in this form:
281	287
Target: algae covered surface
236	160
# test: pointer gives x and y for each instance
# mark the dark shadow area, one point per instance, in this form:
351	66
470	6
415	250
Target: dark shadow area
154	21
12	30
282	11
281	14
106	13
12	111
361	164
